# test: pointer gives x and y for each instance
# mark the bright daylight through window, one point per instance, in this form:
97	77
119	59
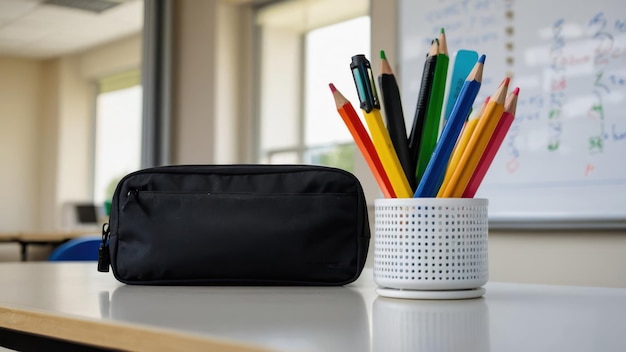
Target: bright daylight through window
302	51
118	135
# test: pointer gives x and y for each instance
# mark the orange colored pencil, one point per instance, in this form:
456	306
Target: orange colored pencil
477	143
494	144
363	141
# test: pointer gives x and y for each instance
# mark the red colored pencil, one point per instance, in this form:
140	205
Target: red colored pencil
496	140
363	141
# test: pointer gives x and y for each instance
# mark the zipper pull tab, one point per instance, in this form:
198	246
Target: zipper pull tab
104	259
132	194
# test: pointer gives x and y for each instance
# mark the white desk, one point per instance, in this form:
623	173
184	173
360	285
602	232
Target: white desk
73	301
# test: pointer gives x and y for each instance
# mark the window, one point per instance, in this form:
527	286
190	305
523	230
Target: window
303	48
117	132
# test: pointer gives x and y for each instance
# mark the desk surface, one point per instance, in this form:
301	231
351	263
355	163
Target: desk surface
74	301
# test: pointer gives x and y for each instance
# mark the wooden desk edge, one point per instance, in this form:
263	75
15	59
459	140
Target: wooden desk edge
9	237
108	334
45	236
53	236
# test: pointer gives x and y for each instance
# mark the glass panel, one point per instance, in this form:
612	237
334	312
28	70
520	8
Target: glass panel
340	156
283	157
328	53
118	139
279	88
301	52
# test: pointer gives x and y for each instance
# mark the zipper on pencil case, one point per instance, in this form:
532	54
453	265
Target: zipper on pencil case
135	194
104	259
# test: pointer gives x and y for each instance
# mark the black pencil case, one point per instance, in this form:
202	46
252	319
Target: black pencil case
237	225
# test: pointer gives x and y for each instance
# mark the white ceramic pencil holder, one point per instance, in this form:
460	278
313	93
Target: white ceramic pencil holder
431	248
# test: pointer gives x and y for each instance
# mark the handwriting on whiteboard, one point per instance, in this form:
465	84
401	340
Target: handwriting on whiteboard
571	69
595	61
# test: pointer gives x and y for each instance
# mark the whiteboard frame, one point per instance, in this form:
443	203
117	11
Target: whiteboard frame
556	223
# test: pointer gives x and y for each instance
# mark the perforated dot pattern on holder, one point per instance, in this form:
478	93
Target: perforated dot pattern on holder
431	243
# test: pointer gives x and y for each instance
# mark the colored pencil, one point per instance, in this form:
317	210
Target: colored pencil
388	156
436	168
422	103
363	141
392	104
477	143
430	132
494	145
461	144
470	127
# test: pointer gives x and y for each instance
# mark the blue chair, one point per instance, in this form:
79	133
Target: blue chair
77	249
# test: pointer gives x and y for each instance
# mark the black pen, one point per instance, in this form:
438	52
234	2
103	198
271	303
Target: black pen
422	104
394	117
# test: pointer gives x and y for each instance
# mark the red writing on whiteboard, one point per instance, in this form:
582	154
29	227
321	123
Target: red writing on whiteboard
512	165
559	84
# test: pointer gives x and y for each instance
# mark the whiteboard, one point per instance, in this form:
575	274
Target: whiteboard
563	162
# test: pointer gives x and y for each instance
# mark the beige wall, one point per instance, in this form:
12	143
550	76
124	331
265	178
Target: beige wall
587	258
211	89
48	151
74	80
119	56
75	136
20	93
193	100
46	114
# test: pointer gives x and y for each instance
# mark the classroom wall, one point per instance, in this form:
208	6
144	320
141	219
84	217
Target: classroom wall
70	107
75	135
231	24
20	93
46	114
48	148
194	89
211	91
586	258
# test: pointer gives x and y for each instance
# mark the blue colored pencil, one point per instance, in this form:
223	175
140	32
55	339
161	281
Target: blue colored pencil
436	168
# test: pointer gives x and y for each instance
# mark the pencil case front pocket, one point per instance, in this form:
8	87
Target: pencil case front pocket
238	225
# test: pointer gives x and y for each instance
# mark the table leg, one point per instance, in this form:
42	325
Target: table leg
23	251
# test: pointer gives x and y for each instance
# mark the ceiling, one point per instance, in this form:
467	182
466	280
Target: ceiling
39	29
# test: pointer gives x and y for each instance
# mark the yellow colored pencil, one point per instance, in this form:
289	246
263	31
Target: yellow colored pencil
469	128
386	152
477	143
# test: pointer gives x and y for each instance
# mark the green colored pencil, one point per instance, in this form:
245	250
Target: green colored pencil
430	132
